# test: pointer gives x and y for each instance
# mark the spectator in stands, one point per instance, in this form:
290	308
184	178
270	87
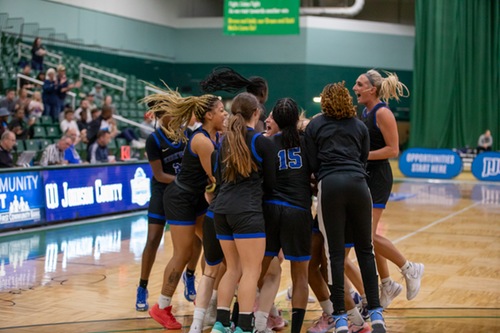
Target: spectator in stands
37	54
103	122
24	83
98	150
94	114
64	86
83	127
35	107
50	97
54	154
41	76
98	92
9	102
91	99
108	101
7	143
4	120
23	101
147	122
20	126
484	142
84	108
71	154
69	121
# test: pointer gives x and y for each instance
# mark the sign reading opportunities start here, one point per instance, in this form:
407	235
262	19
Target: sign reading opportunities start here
264	17
430	163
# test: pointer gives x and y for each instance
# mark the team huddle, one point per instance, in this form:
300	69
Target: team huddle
244	189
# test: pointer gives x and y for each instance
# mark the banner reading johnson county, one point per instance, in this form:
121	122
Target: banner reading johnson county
264	17
430	163
21	202
84	192
486	166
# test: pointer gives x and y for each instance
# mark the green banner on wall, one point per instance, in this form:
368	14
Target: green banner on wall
264	17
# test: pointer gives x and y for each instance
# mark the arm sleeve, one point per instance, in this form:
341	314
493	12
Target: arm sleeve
311	149
267	151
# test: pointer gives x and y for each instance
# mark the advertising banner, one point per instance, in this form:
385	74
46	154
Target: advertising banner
430	163
21	199
83	192
264	17
486	166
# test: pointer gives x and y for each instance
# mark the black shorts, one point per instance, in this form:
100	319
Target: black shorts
156	213
242	225
183	207
289	228
379	182
211	245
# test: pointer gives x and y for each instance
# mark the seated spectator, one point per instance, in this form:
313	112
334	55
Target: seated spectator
23	101
108	101
84	108
41	76
94	114
147	122
37	54
484	142
20	126
54	154
98	92
4	120
24	83
106	122
91	100
69	121
98	151
35	107
7	143
9	102
50	97
71	154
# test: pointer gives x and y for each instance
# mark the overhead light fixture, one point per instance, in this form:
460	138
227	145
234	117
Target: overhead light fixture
317	99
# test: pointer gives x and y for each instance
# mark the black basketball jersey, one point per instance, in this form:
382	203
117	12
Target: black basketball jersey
159	147
292	175
245	194
192	176
370	119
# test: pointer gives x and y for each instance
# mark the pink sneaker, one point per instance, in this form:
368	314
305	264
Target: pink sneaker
323	324
359	329
276	323
165	317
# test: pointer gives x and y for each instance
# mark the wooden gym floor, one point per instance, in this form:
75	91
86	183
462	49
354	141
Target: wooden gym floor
83	277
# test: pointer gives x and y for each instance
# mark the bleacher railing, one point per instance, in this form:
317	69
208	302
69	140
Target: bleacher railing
122	87
71	94
150	90
51	59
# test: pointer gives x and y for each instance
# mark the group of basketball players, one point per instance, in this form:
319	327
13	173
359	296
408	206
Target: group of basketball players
243	186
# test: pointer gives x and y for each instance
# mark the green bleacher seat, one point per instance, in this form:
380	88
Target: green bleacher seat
46	120
20	146
120	142
32	144
53	132
39	132
44	143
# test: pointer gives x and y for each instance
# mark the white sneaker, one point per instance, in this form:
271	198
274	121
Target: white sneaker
210	314
388	292
289	292
413	277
